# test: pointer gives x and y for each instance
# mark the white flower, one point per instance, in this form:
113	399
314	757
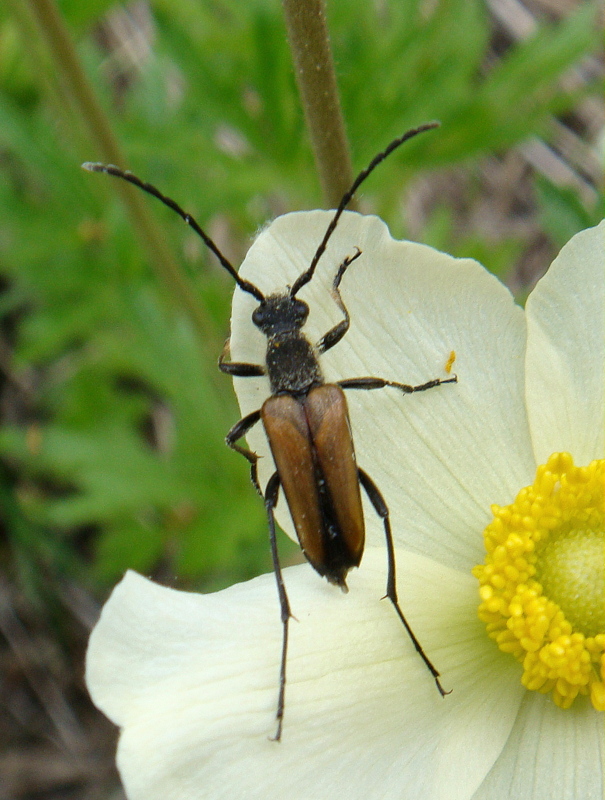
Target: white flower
192	680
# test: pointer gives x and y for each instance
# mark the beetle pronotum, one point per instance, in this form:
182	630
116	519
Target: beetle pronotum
307	424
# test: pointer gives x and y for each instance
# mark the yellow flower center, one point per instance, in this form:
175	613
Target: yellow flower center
542	586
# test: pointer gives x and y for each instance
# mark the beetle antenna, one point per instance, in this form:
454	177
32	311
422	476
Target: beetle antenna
346	199
110	169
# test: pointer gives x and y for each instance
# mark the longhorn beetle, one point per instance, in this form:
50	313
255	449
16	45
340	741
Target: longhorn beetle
307	424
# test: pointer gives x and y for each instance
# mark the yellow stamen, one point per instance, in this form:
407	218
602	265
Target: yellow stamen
542	586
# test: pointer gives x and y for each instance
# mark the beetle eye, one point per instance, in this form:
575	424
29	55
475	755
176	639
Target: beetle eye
300	310
258	316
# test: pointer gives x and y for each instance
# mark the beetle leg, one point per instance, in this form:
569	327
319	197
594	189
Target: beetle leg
240	429
336	333
381	508
271	494
380	383
236	368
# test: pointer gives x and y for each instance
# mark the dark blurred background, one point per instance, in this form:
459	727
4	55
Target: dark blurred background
112	412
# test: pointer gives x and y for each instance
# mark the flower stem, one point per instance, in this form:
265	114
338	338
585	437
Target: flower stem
53	32
316	79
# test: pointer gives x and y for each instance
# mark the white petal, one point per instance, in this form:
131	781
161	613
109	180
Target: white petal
551	755
440	457
566	352
192	680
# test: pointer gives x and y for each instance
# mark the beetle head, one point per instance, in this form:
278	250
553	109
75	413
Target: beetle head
278	313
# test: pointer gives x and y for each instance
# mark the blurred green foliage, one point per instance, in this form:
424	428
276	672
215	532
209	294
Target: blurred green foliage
114	416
